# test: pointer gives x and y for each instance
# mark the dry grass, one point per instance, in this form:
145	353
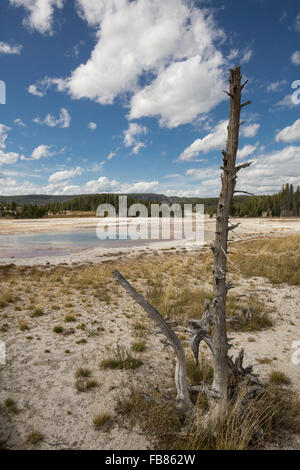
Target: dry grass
277	259
138	346
11	406
188	302
121	359
202	373
161	421
83	381
83	373
277	377
34	437
100	420
243	428
6	297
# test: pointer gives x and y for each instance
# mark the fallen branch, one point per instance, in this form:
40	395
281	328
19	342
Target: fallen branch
183	397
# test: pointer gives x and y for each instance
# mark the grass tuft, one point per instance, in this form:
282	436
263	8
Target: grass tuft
277	377
58	329
38	312
34	437
100	420
121	359
11	406
139	346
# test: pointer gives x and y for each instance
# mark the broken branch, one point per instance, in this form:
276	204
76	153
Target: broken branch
245	104
183	396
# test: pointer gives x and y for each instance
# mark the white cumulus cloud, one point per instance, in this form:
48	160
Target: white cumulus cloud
289	133
40	88
270	171
171	96
276	86
6	48
296	24
6	158
131	136
64	119
19	122
246	151
65	174
33	90
42	151
169	44
285	103
39	13
216	140
295	58
3	135
250	130
248	53
92	126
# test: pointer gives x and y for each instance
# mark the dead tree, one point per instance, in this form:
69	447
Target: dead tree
229	374
228	178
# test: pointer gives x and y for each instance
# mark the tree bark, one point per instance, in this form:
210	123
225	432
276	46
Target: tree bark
228	178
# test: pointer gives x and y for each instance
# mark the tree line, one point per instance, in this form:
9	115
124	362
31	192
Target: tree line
286	203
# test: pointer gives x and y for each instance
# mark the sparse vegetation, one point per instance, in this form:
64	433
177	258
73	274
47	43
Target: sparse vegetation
139	346
202	373
23	325
91	384
6	297
100	420
34	437
38	312
58	329
277	377
83	381
70	318
4	328
276	259
83	373
168	426
11	406
121	359
163	281
264	360
81	341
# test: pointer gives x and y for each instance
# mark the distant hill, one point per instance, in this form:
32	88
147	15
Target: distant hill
42	199
34	199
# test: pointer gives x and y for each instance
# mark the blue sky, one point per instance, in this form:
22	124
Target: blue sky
127	96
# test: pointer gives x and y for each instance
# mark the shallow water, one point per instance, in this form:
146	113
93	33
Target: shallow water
55	243
60	243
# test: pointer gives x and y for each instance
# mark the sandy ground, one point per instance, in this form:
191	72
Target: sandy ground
39	374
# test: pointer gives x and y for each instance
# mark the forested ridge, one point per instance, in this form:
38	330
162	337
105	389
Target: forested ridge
286	203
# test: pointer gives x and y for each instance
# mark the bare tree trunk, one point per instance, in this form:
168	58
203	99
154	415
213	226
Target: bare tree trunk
220	382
